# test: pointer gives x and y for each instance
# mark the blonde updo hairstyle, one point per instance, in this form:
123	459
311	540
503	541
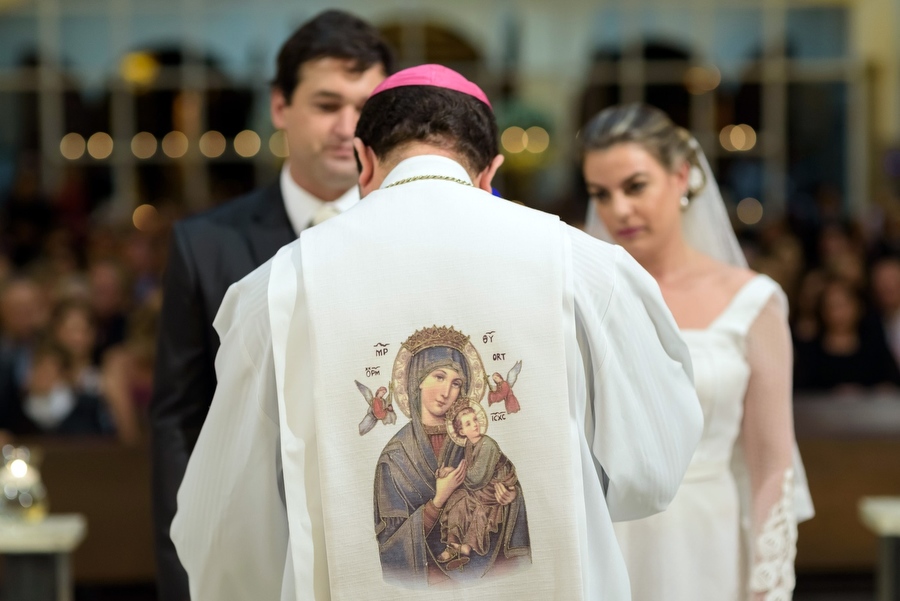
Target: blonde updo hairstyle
652	130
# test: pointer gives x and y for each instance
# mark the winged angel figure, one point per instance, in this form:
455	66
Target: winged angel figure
501	390
379	408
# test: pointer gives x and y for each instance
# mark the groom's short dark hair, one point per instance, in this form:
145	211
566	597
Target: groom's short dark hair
331	34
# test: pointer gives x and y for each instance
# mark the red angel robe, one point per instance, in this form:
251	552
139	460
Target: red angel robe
378	408
504	393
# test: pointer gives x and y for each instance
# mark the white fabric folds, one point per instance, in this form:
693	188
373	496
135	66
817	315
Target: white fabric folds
343	362
363	320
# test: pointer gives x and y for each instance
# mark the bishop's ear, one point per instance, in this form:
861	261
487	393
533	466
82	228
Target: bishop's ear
365	161
483	179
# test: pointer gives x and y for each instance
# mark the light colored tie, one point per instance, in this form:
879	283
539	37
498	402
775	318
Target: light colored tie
326	211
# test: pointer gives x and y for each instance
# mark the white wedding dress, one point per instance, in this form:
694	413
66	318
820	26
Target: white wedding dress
730	533
699	549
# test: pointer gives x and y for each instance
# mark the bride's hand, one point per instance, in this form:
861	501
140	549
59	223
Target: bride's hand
444	486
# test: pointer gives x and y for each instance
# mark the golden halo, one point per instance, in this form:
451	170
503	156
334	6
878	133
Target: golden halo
430	338
480	415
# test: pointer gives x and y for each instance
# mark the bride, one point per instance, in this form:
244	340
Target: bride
731	531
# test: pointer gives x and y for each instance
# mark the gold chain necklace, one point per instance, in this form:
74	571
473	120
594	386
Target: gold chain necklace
417	178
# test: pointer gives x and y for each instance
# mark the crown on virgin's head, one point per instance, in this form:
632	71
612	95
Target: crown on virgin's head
461	403
436	336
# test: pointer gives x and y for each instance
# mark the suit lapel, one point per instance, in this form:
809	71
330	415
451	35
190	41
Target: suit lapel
269	228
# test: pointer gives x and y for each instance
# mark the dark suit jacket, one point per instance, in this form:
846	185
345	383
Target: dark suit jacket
208	253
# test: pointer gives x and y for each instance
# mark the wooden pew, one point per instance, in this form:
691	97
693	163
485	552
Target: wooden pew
851	448
110	485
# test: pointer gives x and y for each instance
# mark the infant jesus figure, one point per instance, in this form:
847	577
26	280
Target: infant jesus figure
473	510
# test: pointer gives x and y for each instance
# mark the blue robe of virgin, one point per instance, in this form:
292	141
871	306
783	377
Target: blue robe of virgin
405	482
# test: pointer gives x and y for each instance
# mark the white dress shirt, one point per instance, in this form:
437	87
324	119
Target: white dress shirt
302	206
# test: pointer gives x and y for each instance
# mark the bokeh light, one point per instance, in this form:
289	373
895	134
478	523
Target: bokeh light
514	140
175	144
212	144
737	138
750	211
725	138
699	80
139	68
278	144
72	146
143	145
144	217
537	140
100	145
247	143
18	468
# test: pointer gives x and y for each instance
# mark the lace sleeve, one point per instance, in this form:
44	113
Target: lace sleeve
768	441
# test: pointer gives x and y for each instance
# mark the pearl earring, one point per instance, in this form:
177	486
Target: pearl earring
685	202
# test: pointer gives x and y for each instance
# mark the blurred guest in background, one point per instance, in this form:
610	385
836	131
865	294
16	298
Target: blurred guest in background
848	352
59	259
52	403
781	257
22	317
110	302
884	229
841	253
128	371
325	72
805	309
652	191
73	327
885	280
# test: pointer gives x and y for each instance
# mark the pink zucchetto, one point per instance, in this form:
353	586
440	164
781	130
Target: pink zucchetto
432	75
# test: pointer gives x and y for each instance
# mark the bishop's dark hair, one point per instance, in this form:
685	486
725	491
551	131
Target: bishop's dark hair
445	118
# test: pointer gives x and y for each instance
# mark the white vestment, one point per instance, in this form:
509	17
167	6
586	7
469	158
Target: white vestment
597	423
